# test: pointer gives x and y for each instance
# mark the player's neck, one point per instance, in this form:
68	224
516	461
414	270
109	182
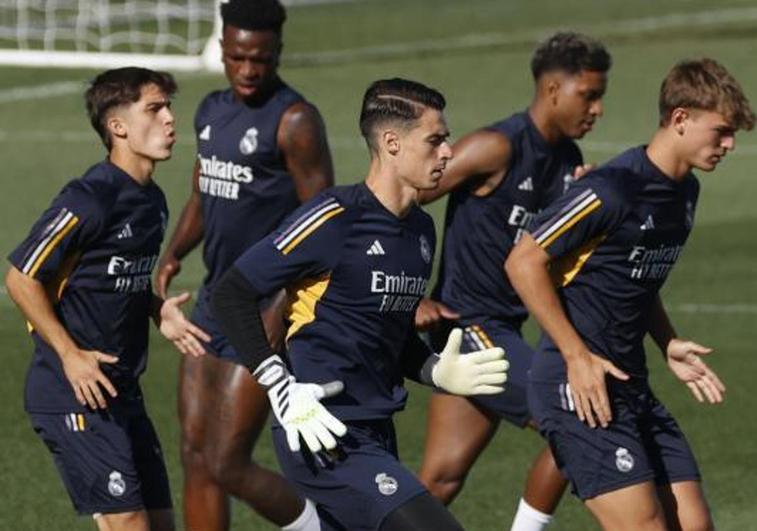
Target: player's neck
390	191
662	153
544	123
138	168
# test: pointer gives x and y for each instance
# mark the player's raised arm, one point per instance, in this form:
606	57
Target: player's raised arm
186	236
302	139
479	159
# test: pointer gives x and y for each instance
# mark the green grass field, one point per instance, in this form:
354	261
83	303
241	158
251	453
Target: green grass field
477	53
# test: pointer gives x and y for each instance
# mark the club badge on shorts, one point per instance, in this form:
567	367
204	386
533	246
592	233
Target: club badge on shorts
387	485
623	459
116	484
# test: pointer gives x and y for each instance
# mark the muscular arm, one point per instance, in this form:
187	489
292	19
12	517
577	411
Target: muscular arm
481	158
302	139
187	234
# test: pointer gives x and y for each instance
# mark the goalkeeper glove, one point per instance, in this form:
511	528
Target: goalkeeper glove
482	372
297	406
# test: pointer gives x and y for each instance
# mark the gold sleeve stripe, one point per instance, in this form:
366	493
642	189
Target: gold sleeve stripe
313	226
59	235
591	207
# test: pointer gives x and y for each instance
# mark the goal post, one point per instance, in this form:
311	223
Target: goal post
160	34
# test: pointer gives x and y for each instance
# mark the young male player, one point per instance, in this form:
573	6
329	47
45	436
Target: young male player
82	280
590	273
356	261
499	178
261	151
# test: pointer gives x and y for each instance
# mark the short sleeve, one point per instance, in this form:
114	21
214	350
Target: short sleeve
589	209
307	244
72	222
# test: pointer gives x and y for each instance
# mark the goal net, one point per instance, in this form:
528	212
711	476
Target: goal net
161	34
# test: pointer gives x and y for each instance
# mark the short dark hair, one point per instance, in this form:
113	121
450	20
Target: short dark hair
571	53
706	85
121	86
254	15
396	100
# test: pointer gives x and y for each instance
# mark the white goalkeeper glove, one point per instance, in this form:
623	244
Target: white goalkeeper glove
482	372
297	406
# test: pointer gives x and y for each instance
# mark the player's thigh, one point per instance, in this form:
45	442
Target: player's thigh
356	486
422	513
93	453
632	508
241	410
197	394
685	506
148	460
161	520
456	433
595	460
129	521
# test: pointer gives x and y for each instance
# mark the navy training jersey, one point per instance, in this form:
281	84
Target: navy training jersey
613	239
245	188
480	231
355	274
94	250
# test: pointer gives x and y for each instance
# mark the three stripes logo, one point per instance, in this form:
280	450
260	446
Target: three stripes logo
580	207
527	185
648	224
75	422
125	232
375	249
205	133
55	231
306	224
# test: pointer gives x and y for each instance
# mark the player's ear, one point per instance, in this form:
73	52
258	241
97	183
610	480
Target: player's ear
390	140
678	119
116	125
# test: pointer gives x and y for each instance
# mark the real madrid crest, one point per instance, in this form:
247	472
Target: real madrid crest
249	142
623	459
116	484
425	249
387	485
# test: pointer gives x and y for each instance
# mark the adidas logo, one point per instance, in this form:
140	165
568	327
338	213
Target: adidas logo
648	224
375	248
125	232
527	185
205	134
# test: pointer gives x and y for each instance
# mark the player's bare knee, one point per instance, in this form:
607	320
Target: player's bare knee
444	488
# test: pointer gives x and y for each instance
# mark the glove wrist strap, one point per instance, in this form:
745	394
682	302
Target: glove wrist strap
271	372
426	375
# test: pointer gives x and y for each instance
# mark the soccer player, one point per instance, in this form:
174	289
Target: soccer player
261	151
82	280
356	261
590	272
499	178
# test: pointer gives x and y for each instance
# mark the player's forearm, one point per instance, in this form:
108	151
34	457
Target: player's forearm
529	274
235	304
417	360
189	229
31	298
660	327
